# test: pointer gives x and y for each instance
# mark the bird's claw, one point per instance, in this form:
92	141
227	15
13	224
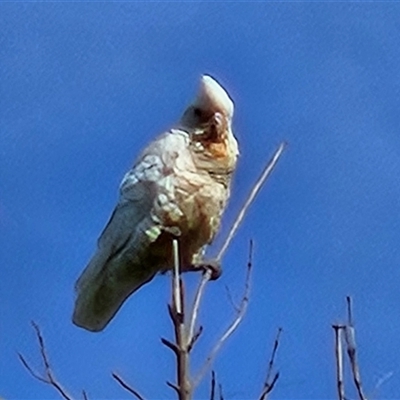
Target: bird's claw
213	266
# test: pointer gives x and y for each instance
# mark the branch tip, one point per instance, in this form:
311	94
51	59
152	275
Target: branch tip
126	386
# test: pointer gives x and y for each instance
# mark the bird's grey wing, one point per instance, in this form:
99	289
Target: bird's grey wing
118	267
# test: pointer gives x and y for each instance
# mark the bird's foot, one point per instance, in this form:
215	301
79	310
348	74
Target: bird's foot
213	266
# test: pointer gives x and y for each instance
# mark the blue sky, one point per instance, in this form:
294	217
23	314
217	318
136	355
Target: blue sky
84	86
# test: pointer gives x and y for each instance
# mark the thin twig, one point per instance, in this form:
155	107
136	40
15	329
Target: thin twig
176	278
221	396
195	337
205	278
170	345
48	376
256	188
126	386
230	298
234	324
349	334
172	386
84	394
270	383
380	382
339	360
31	371
349	311
212	395
352	353
272	359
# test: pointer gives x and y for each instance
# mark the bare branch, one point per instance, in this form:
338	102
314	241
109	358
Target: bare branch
221	396
195	337
172	386
180	348
85	397
176	278
352	353
170	345
349	334
380	382
31	371
205	278
126	386
256	188
48	376
234	324
272	359
270	383
349	311
339	360
212	394
230	298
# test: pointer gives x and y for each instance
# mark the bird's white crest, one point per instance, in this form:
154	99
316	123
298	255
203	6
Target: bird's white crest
213	96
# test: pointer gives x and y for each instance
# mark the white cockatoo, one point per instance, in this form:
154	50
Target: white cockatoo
178	188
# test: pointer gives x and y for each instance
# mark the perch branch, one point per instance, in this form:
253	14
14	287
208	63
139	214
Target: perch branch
126	386
234	324
48	376
256	188
180	349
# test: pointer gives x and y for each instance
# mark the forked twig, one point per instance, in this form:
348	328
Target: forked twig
345	336
256	188
48	376
235	323
126	386
270	383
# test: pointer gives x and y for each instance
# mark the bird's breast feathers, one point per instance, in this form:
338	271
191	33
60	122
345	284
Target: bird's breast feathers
187	195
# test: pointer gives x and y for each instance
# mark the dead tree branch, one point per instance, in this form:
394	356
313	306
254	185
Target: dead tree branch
181	345
345	337
253	193
48	376
213	381
270	380
349	334
235	323
339	360
205	278
126	386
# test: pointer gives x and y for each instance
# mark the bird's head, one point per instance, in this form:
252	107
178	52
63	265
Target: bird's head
208	121
212	101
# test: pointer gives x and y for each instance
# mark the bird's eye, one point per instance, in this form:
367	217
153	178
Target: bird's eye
198	112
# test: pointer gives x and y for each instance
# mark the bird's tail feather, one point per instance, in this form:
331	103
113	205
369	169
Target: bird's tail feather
101	295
